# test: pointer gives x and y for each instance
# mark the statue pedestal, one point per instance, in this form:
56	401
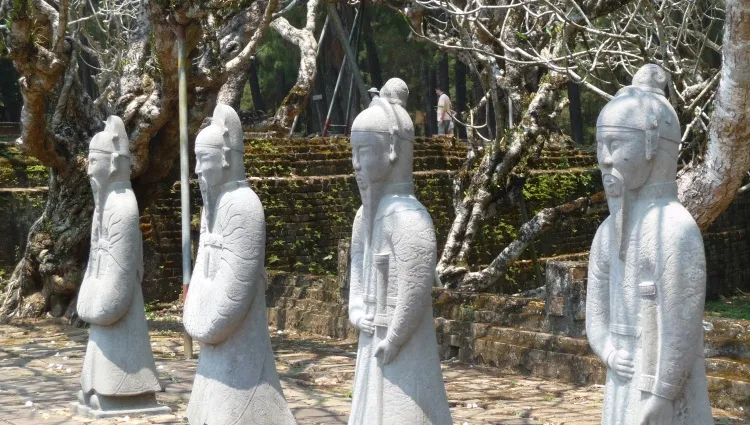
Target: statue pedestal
140	405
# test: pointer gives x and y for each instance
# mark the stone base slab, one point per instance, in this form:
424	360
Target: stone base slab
86	411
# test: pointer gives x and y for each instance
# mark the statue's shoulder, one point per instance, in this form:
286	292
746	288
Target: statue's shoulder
672	218
121	204
396	207
241	200
406	215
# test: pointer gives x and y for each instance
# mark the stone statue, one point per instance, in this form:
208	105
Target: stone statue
225	310
647	269
397	380
118	376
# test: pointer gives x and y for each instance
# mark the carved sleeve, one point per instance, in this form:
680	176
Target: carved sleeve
679	291
412	238
216	307
356	281
106	298
597	295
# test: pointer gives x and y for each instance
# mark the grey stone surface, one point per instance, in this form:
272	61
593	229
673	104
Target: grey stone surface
236	380
647	269
565	292
118	370
398	379
316	374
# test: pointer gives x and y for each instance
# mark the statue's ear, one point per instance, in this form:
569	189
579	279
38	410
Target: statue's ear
113	162
224	161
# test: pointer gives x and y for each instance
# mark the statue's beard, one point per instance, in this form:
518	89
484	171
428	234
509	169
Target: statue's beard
613	184
618	201
95	187
206	194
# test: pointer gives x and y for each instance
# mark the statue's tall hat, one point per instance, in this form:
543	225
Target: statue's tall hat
226	123
643	106
386	114
113	139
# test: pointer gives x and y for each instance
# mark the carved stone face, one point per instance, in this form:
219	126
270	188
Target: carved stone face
208	165
622	158
99	169
370	158
209	156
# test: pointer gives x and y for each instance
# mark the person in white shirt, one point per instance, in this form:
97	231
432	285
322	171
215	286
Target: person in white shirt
445	120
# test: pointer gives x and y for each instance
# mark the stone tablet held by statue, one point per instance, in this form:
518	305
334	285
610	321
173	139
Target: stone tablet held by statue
119	375
397	380
225	310
647	267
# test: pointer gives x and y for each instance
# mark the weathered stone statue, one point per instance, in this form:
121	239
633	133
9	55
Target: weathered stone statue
118	376
398	380
647	270
236	380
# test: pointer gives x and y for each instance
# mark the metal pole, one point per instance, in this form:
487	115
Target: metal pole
327	124
184	180
339	30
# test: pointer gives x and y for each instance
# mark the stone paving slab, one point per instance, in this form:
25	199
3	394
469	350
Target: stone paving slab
40	365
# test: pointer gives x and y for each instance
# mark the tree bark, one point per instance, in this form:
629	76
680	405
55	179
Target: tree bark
304	39
460	105
543	220
59	119
709	184
258	103
576	114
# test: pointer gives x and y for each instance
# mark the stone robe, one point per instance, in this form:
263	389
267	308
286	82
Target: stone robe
651	304
412	386
236	380
118	360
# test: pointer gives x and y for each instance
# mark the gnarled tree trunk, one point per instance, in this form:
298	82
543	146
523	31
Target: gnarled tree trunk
59	119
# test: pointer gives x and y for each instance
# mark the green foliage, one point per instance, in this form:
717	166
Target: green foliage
551	189
730	308
276	56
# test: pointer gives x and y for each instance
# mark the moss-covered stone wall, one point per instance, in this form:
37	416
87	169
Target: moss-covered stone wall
19	209
310	199
22	197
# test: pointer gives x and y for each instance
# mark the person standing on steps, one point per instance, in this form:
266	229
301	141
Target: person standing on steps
444	117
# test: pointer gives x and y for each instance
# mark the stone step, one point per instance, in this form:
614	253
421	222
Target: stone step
273	166
569	359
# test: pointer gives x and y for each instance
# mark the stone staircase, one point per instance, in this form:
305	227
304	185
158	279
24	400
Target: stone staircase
508	332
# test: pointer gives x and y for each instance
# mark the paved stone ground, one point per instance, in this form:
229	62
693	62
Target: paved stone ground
40	364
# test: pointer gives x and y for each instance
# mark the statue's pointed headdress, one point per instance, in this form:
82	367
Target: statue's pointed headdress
113	139
643	106
386	114
228	123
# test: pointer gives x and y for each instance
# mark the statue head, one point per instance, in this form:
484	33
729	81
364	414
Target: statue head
220	149
109	154
638	134
382	139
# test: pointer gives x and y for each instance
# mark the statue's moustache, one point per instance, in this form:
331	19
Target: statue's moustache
613	183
